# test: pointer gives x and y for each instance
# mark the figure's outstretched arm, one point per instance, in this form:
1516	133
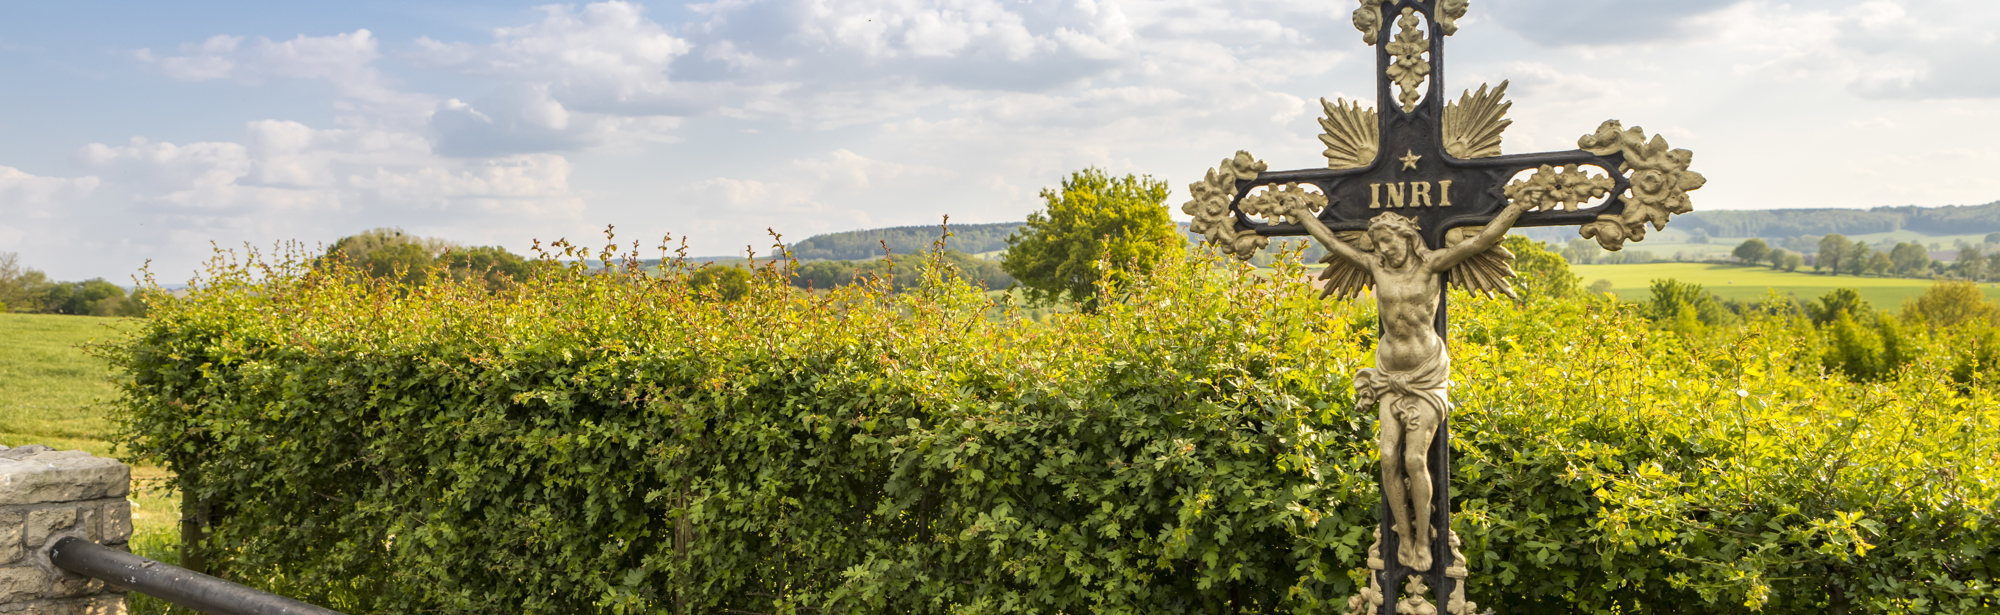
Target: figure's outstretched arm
1495	231
1334	244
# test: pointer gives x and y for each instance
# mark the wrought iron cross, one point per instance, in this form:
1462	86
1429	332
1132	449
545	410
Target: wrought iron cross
1438	166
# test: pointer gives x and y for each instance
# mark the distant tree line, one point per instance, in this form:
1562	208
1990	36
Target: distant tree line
27	290
1756	251
1949	220
1840	255
898	272
866	244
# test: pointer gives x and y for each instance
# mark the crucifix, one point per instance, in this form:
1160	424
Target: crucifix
1416	197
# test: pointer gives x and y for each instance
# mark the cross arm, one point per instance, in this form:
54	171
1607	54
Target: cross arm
1483	180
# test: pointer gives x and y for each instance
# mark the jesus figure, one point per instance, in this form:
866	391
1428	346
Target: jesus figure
1408	385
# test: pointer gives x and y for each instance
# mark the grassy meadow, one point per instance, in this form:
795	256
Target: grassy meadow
1743	282
52	393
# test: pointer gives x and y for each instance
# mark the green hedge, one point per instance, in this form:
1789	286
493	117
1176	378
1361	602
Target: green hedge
607	441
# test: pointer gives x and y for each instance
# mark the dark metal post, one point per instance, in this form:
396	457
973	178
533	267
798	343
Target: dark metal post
171	583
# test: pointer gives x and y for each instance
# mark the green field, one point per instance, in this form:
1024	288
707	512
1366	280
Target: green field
52	393
1633	282
49	389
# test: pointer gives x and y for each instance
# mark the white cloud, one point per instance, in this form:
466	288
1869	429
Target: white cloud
579	78
345	61
28	196
853	171
306	177
606	57
529	184
1876	48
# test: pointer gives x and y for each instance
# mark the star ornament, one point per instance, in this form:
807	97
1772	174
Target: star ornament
1410	160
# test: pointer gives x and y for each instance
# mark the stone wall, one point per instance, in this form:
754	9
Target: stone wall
46	495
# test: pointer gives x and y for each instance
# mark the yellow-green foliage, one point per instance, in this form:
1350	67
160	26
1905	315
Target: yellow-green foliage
613	442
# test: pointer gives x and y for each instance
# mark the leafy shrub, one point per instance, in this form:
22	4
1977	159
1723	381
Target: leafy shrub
614	441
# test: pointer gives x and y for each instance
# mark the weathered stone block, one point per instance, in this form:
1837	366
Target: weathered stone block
10	537
116	519
60	476
21	583
48	522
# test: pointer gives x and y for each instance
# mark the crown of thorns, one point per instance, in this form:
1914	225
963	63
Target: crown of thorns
1400	225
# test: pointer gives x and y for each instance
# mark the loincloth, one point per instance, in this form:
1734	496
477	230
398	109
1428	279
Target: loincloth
1406	393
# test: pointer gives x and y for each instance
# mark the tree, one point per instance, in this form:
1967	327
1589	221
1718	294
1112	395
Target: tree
1971	264
1684	307
391	254
1832	305
1581	251
1752	251
1094	218
1879	263
1792	261
1949	304
21	288
1541	271
1775	257
1856	260
1909	258
404	261
359	246
1993	238
724	282
1833	251
93	297
493	265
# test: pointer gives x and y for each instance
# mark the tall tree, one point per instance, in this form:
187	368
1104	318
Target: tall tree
1856	259
1094	217
1833	251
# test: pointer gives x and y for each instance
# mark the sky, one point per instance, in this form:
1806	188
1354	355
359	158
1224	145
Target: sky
146	132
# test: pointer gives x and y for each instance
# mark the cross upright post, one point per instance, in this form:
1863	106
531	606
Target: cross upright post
1416	197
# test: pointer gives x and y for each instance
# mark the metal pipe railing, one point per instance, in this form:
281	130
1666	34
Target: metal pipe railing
171	583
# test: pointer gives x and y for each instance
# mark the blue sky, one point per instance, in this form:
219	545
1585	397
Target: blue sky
135	132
